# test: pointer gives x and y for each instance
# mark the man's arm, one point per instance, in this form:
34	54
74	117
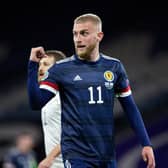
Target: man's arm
37	97
137	124
47	162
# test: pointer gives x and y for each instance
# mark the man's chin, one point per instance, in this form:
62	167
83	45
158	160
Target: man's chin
82	54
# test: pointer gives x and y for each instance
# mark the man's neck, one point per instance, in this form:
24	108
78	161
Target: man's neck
91	58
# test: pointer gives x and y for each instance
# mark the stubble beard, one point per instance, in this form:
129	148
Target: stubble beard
86	54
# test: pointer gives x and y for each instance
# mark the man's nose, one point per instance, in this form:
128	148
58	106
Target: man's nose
78	38
40	68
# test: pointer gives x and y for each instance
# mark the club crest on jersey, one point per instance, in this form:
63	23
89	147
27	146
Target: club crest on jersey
45	75
109	77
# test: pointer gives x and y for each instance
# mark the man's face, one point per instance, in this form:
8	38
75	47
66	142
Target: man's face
86	39
44	64
25	143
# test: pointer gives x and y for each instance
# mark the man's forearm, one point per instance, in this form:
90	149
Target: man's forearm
135	119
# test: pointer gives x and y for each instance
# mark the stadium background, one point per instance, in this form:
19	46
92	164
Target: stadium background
135	33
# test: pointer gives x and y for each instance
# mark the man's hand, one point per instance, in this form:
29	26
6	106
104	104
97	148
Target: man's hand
37	53
45	163
148	156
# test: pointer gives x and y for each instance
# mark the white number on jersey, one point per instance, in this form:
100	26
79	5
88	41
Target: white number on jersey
92	101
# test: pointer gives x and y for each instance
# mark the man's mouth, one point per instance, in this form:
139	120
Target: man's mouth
81	46
41	74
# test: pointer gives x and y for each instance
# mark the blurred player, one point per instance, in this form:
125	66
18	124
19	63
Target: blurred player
50	113
88	82
22	154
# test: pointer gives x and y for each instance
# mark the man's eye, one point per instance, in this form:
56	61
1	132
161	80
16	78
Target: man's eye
46	64
84	33
74	34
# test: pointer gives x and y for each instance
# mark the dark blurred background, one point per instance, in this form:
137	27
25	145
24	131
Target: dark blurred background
135	33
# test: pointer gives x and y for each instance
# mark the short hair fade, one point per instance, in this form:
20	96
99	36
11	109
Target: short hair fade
89	17
56	54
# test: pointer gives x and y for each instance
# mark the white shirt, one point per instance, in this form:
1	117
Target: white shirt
51	123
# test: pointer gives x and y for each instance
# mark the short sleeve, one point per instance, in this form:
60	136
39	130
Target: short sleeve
122	86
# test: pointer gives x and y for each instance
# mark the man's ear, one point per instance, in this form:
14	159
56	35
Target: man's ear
100	35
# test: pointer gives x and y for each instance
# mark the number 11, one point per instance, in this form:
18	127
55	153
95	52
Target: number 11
92	101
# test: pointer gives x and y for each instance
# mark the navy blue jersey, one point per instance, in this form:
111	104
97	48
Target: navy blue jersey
87	91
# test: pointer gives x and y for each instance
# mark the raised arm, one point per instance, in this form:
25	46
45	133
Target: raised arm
37	97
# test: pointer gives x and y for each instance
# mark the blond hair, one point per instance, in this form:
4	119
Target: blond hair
89	17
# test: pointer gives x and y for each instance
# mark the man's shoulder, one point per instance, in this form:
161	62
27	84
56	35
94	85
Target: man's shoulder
12	152
110	58
62	64
66	60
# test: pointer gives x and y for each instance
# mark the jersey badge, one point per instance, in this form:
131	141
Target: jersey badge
109	77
